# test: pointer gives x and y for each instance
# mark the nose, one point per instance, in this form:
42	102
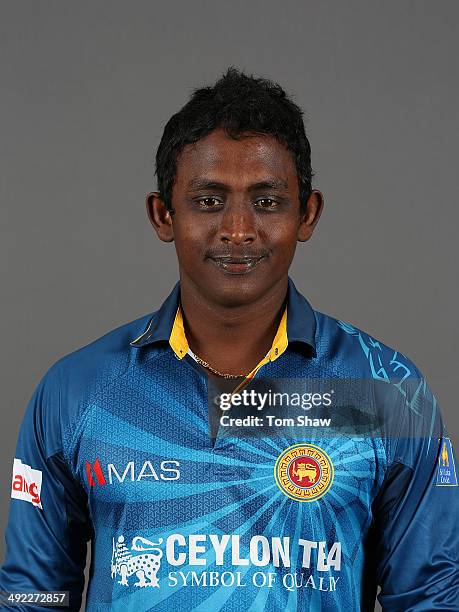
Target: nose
238	224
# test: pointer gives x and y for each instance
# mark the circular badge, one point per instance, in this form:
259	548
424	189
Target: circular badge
304	472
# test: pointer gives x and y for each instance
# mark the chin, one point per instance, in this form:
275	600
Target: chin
236	290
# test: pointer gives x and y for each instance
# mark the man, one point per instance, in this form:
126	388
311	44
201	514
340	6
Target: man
189	501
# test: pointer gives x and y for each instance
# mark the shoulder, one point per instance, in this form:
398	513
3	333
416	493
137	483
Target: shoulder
72	381
391	380
361	352
99	361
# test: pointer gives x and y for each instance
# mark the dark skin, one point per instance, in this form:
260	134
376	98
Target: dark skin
235	226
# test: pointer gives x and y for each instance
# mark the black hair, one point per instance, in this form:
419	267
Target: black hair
239	104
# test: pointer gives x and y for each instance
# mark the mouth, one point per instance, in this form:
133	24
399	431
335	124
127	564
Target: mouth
237	265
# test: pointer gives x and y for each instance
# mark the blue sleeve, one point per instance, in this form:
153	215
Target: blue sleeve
48	525
417	511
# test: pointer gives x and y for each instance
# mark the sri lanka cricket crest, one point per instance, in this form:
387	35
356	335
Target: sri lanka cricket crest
304	472
446	470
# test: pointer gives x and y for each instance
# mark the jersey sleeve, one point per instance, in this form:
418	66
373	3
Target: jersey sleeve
417	511
48	525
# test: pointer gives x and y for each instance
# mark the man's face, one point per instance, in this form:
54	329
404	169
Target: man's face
237	216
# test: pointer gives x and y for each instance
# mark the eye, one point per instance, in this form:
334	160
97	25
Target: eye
208	203
266	204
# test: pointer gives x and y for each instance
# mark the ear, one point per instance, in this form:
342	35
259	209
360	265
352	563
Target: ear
311	215
160	217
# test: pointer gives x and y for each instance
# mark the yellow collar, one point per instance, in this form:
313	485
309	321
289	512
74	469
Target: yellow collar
180	346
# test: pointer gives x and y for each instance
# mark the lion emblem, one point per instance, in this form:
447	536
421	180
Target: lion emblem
145	566
305	470
444	456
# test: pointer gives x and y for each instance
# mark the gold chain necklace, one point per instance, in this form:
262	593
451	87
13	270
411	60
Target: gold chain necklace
209	367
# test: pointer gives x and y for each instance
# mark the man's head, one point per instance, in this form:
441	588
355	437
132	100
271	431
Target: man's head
234	188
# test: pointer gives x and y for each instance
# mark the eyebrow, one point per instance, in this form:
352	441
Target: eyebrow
205	183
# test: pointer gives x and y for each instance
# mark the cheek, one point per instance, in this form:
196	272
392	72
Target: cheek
190	236
287	252
284	242
281	234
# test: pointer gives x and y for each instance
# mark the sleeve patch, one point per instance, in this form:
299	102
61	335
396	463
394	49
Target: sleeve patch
26	483
446	471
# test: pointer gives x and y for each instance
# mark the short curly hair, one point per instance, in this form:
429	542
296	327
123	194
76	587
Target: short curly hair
239	104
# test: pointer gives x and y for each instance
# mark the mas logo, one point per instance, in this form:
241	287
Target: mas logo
304	472
446	471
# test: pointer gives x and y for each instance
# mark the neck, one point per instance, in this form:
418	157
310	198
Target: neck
232	339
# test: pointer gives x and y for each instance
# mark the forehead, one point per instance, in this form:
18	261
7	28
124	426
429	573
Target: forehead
250	158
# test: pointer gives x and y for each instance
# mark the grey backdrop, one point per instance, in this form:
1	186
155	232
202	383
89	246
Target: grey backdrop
85	91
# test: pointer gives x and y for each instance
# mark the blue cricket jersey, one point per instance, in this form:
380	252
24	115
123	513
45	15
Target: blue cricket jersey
115	448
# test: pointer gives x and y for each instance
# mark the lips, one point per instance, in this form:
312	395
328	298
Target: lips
237	265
